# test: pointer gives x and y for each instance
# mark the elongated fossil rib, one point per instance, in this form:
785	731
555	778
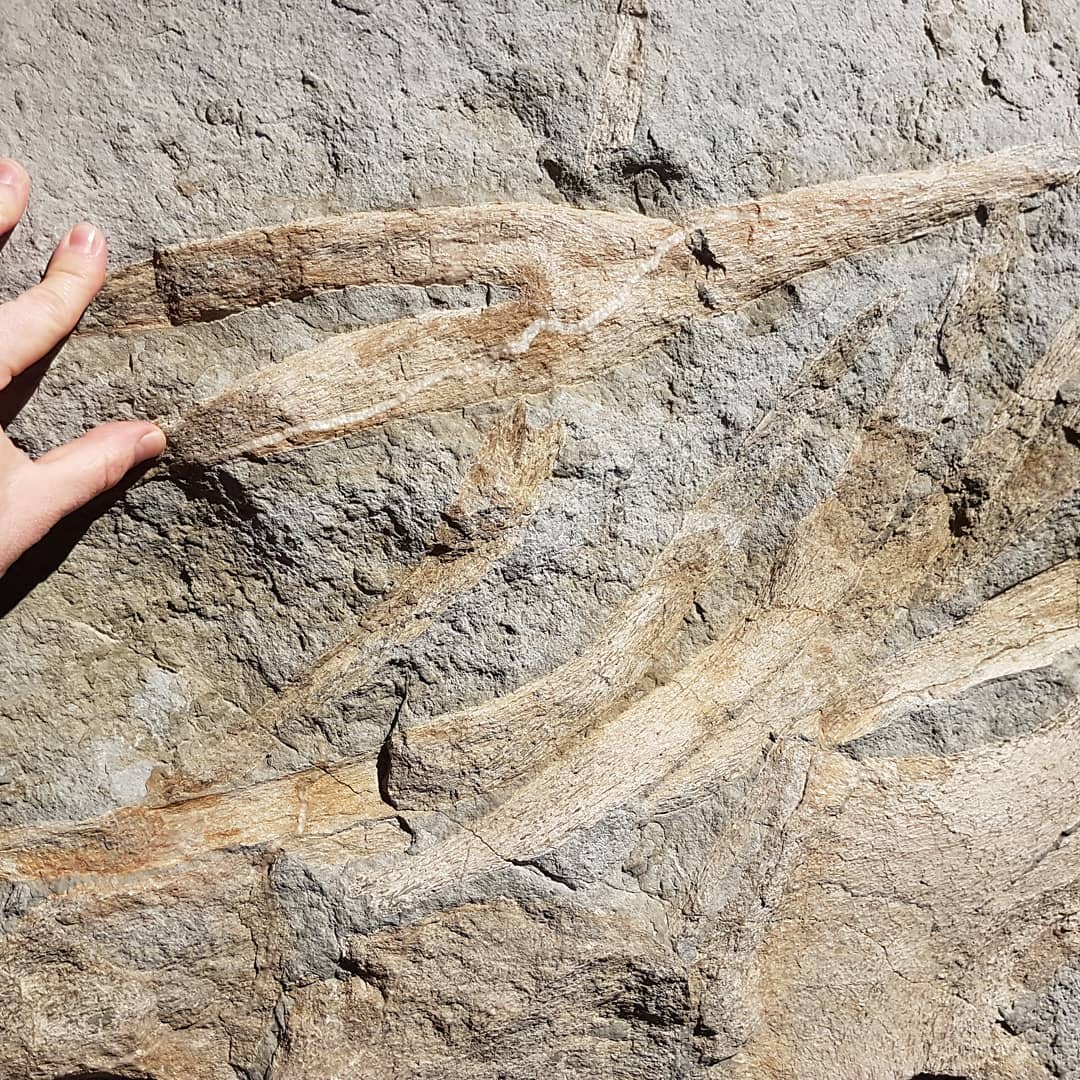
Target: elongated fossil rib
593	290
481	524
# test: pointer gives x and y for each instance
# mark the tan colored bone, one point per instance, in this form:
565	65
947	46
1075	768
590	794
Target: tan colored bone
593	288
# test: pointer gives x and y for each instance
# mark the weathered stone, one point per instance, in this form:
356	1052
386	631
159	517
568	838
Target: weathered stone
611	607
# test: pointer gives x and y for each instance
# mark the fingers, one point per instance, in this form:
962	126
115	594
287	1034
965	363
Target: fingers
73	474
37	494
34	323
14	194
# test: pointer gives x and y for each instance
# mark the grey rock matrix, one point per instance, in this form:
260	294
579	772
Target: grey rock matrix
611	607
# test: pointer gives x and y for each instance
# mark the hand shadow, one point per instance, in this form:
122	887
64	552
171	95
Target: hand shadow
36	564
49	553
21	389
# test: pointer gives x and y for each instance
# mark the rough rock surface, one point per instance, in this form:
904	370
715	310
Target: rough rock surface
693	694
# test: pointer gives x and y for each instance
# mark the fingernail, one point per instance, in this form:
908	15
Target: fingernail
152	443
10	173
85	238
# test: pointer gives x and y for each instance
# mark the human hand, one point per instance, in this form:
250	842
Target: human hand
36	494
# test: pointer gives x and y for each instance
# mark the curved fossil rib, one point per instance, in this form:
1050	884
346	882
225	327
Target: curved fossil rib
758	245
594	288
1026	627
480	525
309	805
474	751
509	244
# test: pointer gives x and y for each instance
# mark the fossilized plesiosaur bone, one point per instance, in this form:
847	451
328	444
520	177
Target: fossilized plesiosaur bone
592	289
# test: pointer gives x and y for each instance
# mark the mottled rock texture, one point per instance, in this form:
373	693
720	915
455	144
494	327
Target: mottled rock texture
599	616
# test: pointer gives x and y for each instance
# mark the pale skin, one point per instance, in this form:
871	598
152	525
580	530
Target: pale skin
37	493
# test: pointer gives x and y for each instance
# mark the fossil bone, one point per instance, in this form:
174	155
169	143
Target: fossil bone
592	289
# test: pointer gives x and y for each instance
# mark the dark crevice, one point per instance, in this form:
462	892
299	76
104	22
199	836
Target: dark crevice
967	499
995	88
961	520
704	254
375	975
571	184
354	7
531	864
652	179
382	772
383	762
931	37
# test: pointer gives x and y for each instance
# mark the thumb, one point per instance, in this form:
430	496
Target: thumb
69	476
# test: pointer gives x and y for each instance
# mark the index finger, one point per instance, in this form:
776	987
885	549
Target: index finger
14	195
34	323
